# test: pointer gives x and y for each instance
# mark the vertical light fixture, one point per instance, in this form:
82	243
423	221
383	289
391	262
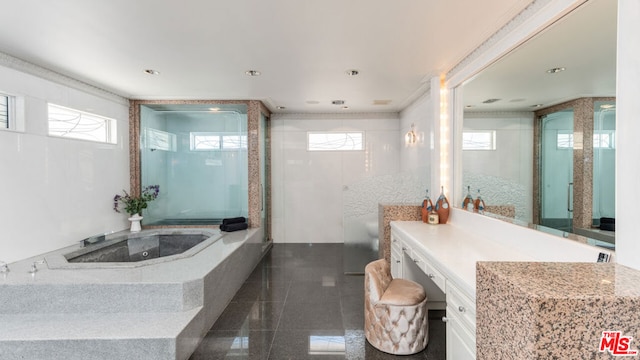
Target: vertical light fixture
411	138
444	135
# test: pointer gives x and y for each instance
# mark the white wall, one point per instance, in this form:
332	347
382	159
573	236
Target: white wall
628	128
57	191
307	187
417	158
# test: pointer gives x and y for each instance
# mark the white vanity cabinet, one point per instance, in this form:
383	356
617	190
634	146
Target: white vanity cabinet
446	255
396	257
461	326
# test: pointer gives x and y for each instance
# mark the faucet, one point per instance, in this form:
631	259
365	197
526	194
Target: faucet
4	267
92	240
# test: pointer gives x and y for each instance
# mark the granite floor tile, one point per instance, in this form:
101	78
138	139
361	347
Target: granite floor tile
299	304
308	344
242	345
311	316
257	315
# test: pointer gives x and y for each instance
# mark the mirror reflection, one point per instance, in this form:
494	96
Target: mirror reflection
539	127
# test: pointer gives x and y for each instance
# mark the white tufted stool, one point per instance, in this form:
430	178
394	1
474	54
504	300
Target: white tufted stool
395	311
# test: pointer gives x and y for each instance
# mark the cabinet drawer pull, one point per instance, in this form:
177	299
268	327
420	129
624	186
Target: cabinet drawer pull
461	308
404	248
416	261
431	276
398	261
395	240
445	319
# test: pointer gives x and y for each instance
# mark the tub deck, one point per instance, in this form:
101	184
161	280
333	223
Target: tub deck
159	311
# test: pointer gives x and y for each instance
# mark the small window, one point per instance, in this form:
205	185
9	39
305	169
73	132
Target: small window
155	139
335	141
212	141
564	140
479	140
70	123
604	139
4	111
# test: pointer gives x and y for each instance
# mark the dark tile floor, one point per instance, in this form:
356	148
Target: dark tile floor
298	304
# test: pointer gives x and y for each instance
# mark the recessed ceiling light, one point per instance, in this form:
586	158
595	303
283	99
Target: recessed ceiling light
352	72
469	106
152	72
537	105
490	101
338	102
556	70
313	102
345	107
280	107
253	73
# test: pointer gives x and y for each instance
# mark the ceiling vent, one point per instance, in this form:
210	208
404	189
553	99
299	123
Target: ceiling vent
490	101
381	102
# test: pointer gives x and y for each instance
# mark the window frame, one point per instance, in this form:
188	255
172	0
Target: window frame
493	144
362	142
110	125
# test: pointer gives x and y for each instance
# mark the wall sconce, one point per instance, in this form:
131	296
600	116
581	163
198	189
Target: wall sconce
411	138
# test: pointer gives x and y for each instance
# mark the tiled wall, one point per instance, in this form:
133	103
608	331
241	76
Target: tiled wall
307	187
57	191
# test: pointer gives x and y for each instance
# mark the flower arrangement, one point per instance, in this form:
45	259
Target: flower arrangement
134	205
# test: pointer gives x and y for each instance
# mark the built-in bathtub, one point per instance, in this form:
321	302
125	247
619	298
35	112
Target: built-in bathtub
151	309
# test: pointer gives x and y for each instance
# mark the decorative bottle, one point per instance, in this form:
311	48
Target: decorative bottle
427	207
468	203
442	207
478	204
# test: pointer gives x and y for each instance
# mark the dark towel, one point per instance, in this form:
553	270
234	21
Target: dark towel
234	227
235	220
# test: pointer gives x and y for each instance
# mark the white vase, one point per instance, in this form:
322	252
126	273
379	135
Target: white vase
135	222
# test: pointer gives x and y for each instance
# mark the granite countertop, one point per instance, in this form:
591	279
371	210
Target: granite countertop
568	280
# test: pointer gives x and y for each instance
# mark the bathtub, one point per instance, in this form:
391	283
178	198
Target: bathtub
149	309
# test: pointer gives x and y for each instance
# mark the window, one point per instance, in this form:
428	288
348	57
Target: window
479	140
564	140
4	111
211	141
604	139
70	123
335	141
155	139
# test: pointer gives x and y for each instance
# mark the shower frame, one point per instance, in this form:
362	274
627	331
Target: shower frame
254	109
583	126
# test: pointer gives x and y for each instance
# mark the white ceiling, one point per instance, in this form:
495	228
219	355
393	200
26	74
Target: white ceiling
202	48
583	42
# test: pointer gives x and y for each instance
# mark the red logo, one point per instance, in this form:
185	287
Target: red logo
616	344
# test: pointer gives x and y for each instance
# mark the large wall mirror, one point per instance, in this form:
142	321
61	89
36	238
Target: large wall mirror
538	132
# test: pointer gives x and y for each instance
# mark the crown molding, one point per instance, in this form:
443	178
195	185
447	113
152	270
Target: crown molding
15	63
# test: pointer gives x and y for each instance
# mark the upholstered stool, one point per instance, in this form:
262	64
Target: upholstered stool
395	311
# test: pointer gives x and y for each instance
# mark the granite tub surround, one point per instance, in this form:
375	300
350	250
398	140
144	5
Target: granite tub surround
554	310
392	212
155	311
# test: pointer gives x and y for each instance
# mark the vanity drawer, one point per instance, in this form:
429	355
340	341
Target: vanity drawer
433	274
464	307
396	244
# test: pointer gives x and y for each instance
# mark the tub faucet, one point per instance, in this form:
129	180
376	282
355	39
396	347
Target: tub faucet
4	267
92	240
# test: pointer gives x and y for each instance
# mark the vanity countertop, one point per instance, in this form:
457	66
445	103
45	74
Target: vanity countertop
456	247
456	250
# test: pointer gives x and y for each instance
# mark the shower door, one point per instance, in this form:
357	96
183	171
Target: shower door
556	171
197	154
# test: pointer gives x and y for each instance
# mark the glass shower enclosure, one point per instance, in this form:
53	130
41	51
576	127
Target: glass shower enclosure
198	155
